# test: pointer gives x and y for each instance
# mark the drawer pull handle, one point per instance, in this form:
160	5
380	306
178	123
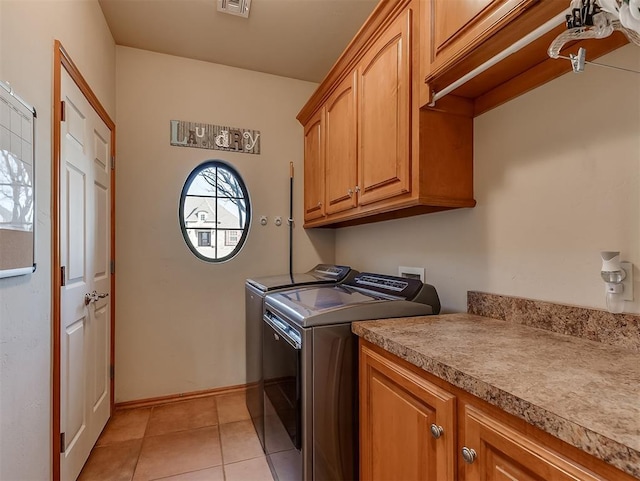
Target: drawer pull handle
469	455
436	431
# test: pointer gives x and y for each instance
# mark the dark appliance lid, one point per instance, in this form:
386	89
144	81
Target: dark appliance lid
320	274
363	296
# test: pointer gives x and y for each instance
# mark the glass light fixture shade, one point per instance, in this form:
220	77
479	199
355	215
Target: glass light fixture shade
614	277
615	302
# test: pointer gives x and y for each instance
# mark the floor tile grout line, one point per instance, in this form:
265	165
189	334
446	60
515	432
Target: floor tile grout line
144	434
224	471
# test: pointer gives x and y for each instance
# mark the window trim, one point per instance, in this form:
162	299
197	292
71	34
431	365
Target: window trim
215	163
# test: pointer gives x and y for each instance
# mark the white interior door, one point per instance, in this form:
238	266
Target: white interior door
85	336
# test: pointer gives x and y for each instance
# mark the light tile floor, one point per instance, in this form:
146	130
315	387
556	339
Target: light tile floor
207	439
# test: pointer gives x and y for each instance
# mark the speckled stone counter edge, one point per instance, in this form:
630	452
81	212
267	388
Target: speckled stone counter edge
621	330
612	452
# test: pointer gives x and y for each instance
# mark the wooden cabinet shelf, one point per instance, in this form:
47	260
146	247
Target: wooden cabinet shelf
400	402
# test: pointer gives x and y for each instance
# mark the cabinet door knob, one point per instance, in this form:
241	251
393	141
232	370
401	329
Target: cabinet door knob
469	455
349	192
319	204
357	188
436	431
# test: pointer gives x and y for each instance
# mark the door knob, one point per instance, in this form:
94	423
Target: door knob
90	297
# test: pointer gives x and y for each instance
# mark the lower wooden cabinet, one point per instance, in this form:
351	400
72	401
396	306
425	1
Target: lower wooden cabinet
402	405
495	451
406	423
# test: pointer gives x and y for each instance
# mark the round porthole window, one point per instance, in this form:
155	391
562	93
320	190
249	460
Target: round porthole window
215	211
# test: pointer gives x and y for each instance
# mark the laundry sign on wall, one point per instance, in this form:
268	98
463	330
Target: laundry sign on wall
214	137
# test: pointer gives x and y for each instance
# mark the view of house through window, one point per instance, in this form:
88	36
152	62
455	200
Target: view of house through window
214	211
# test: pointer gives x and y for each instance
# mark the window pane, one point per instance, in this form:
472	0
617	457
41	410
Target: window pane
204	183
228	185
198	208
203	244
232	213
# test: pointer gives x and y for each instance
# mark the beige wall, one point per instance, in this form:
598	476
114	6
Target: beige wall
556	180
27	32
180	321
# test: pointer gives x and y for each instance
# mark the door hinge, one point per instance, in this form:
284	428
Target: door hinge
112	371
62	111
63	443
113	267
113	162
63	276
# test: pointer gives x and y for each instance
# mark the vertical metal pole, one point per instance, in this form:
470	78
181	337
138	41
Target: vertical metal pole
291	220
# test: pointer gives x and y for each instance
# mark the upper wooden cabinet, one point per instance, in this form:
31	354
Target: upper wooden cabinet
459	36
384	157
375	146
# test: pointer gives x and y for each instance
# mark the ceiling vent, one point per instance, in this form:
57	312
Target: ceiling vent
235	7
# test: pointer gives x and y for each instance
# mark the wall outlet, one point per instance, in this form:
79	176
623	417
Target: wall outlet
411	272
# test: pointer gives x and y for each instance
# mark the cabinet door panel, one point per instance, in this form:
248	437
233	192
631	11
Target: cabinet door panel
341	148
457	27
384	120
504	453
314	168
452	17
397	409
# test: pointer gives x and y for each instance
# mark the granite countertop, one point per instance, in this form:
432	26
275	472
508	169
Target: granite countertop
583	392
